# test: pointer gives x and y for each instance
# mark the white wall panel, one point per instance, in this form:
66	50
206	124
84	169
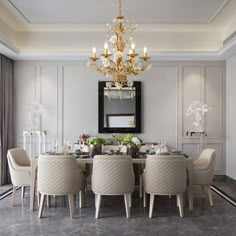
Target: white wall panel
160	105
25	87
80	101
191	92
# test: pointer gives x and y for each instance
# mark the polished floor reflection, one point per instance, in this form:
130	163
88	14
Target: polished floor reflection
204	220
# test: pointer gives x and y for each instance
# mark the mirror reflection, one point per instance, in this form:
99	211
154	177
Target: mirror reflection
119	107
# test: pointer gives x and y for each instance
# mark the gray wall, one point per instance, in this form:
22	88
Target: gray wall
69	92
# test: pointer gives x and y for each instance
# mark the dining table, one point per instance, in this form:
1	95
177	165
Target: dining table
85	160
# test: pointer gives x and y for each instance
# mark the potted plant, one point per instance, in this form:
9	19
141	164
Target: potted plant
95	145
133	143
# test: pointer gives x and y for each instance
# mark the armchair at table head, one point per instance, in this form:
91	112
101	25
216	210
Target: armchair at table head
203	171
19	166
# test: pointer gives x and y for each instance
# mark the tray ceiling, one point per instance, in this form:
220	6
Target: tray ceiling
103	11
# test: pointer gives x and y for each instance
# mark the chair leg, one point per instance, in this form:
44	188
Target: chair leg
13	195
82	198
209	192
144	199
41	205
190	199
126	198
98	203
48	201
144	196
22	192
152	198
140	185
38	198
71	204
130	200
180	204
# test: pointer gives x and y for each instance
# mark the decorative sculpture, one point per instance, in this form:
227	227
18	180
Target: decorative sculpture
198	110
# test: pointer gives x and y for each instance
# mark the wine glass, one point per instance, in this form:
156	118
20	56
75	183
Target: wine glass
81	146
55	145
120	145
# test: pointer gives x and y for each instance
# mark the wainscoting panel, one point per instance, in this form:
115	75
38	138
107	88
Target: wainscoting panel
192	149
25	85
213	97
191	91
49	99
159	113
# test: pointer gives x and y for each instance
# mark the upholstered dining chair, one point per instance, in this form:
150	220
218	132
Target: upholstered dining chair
113	175
165	175
203	171
19	166
59	175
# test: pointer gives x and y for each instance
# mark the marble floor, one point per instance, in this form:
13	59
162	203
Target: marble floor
203	220
226	184
5	188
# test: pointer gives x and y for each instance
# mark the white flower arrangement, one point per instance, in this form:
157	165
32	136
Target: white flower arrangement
36	111
136	141
198	110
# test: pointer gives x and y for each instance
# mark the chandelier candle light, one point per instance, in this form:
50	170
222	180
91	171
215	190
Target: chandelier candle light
121	64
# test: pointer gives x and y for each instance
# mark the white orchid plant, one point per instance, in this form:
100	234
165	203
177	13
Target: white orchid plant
198	110
36	111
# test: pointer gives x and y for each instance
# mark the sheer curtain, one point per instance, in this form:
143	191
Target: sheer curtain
6	115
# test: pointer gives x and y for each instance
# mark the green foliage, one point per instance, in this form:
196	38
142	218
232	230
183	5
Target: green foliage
95	140
127	139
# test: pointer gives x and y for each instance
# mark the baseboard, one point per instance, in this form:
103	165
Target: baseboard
224	195
224	178
7	192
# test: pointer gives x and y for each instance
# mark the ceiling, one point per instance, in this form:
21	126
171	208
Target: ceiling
171	29
103	11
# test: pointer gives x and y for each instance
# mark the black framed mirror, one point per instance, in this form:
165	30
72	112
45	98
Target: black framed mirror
119	110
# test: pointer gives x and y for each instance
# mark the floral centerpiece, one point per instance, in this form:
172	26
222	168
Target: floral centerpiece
133	143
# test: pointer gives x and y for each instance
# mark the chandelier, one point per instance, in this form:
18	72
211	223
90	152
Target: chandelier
118	63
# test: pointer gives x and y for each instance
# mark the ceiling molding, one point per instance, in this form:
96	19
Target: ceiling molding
18	10
8	46
218	10
224	53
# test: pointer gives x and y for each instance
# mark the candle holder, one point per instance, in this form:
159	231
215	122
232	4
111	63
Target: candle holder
106	55
94	58
145	58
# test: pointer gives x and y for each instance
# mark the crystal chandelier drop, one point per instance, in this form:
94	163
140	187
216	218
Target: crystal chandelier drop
118	63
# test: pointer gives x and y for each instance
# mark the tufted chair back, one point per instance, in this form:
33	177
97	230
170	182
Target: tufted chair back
112	174
59	175
165	174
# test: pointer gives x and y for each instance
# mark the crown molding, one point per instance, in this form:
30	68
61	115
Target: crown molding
16	54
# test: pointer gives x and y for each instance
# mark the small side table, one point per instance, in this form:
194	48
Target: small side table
40	141
202	138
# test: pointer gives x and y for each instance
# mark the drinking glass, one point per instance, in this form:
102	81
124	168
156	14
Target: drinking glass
81	145
120	145
55	145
